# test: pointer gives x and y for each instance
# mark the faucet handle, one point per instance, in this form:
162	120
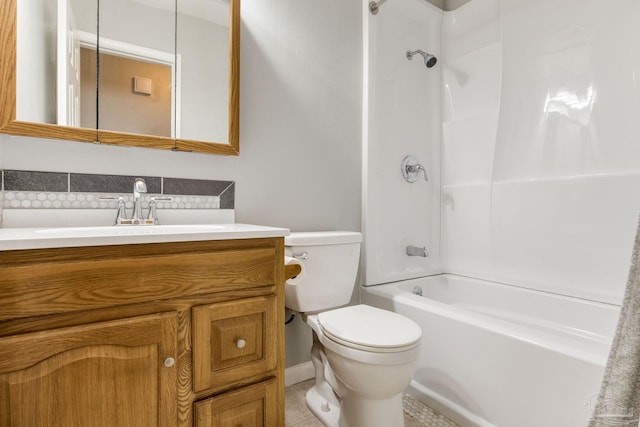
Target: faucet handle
121	214
153	213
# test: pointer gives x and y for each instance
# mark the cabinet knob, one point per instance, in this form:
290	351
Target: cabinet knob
169	362
241	343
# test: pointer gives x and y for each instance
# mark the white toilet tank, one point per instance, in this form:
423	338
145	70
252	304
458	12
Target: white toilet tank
330	260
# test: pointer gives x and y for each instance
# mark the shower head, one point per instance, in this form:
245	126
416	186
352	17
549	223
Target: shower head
429	60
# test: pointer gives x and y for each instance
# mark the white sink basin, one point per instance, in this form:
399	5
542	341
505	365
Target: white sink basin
130	230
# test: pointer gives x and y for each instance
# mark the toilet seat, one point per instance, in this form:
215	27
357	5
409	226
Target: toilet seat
370	329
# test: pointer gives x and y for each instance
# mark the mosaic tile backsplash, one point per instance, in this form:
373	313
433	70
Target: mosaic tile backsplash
54	190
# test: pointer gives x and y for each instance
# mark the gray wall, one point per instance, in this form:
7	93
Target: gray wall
300	161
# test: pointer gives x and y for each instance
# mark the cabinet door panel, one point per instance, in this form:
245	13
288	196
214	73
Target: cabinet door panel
103	374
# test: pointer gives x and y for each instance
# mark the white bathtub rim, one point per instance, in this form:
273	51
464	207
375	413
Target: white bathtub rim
537	337
497	283
598	297
545	325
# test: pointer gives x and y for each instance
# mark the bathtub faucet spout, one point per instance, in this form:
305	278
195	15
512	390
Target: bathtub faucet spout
417	251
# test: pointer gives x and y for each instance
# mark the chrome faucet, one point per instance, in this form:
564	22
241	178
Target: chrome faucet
139	187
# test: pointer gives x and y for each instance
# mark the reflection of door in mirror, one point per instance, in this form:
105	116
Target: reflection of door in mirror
68	69
202	40
47	86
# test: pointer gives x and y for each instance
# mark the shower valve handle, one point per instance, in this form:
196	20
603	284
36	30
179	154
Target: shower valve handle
411	168
417	169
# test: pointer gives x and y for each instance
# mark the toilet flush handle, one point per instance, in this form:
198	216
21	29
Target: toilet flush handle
303	255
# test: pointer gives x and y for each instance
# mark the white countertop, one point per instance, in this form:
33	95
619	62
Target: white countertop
60	237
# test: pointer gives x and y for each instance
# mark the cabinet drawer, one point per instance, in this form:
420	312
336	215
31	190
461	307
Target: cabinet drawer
233	341
252	406
49	281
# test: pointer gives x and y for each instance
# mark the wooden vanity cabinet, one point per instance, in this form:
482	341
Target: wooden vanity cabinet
162	334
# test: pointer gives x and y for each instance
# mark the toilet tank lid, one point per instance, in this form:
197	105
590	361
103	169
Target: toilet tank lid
317	238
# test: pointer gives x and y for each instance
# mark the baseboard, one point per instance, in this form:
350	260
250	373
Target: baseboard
298	373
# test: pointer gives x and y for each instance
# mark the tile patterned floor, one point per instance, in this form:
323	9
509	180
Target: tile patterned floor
416	414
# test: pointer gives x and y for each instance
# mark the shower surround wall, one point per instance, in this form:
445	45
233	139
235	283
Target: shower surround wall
541	161
535	107
401	117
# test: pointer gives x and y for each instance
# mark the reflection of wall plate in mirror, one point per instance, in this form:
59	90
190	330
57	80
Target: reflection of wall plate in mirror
142	86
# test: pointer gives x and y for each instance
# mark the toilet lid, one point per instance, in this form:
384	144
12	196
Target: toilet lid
369	327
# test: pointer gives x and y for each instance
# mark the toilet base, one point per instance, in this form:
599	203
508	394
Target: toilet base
369	394
357	411
327	412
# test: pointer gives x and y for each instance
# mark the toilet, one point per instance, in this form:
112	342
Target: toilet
364	357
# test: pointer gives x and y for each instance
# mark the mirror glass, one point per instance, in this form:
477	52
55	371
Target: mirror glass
48	60
136	65
203	26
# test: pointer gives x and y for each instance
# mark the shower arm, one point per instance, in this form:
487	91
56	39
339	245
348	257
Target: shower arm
410	53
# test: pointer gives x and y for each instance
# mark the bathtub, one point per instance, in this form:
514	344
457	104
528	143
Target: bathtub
499	355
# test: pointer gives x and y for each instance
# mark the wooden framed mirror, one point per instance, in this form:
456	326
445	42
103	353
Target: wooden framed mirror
42	40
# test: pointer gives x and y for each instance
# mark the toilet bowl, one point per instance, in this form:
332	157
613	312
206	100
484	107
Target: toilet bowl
364	357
